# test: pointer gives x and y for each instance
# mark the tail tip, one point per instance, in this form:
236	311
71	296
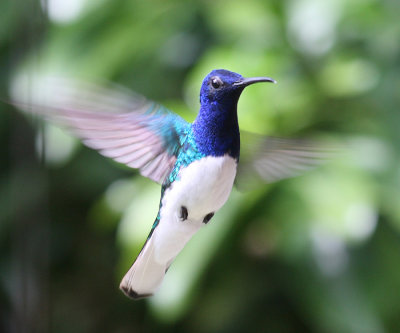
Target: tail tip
133	294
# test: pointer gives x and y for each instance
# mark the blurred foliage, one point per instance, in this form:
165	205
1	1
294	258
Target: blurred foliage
318	253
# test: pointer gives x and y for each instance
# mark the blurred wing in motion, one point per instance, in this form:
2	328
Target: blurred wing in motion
265	159
120	124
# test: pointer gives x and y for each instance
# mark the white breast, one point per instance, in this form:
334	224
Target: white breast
202	188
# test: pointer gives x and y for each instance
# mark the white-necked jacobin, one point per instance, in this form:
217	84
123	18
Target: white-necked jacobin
197	164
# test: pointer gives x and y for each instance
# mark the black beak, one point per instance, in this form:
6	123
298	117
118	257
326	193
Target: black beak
250	80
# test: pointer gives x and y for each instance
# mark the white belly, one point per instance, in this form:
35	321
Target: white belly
202	188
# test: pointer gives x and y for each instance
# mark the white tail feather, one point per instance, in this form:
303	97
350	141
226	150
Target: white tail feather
145	275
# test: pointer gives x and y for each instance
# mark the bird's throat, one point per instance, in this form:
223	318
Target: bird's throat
216	130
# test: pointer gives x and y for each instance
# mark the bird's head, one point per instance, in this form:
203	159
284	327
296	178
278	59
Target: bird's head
224	87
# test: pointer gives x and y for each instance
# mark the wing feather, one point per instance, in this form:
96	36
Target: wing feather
120	124
266	159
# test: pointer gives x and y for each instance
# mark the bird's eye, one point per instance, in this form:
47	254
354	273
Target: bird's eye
216	82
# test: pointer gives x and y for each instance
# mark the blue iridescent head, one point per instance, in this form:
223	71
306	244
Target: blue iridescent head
216	127
225	87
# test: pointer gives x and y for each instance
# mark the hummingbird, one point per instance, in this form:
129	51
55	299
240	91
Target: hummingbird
197	164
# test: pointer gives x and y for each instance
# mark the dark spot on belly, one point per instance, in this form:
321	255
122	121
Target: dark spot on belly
208	217
184	213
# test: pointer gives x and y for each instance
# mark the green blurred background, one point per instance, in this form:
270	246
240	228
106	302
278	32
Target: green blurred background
318	253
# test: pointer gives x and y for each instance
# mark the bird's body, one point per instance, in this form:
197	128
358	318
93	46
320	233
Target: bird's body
198	186
197	164
188	203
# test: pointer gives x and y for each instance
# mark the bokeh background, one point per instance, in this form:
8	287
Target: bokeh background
317	253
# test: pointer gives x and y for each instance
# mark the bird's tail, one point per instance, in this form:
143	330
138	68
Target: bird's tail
145	275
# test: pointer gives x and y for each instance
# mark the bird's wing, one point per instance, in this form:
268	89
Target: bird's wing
118	123
265	159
